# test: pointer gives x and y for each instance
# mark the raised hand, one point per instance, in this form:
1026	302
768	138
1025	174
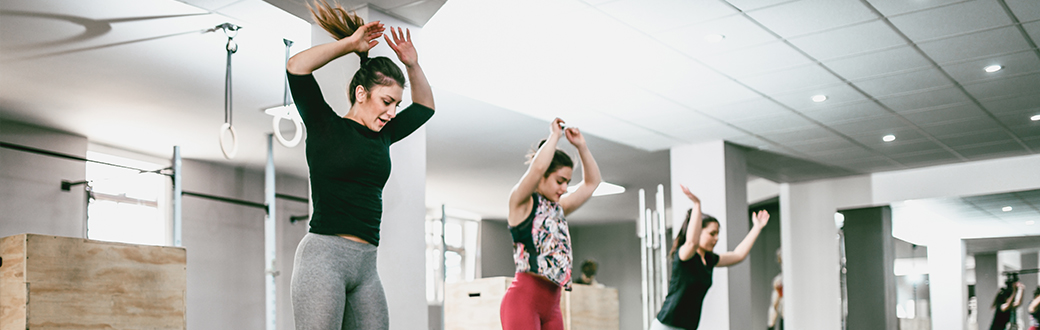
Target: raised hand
690	195
402	45
574	136
556	127
760	218
365	37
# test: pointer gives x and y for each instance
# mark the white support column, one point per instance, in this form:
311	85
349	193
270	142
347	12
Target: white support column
177	191
717	173
949	296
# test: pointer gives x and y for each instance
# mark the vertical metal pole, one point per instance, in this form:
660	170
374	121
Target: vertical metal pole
177	190
641	232
444	262
663	239
269	237
651	275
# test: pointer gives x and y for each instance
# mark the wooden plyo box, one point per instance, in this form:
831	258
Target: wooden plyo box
474	305
51	282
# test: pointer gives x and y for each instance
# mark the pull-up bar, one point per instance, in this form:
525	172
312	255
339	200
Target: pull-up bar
161	171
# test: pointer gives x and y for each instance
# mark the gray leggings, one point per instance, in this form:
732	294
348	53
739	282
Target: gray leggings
335	285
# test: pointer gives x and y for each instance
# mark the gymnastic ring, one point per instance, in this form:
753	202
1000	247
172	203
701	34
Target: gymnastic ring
234	141
278	132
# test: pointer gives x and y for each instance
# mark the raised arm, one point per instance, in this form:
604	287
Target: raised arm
520	197
693	229
402	45
589	171
313	58
1033	305
760	219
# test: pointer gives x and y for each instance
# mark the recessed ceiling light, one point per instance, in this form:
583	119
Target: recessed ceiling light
819	98
993	68
1035	118
714	37
1006	209
1030	222
888	138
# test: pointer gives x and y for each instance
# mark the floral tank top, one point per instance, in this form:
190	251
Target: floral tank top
542	242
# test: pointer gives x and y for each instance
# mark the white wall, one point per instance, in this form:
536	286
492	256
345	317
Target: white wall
808	232
31	199
812	296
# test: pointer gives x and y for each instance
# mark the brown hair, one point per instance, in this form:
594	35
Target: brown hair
681	238
340	23
560	159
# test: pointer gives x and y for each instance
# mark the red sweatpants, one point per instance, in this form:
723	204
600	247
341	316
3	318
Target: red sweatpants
531	302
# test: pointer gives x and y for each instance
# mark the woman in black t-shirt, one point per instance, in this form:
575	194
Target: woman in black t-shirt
693	262
1008	298
335	283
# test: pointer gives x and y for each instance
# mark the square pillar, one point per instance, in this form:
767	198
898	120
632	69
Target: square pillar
869	261
717	173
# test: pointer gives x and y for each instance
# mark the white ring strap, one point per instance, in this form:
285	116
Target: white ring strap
234	141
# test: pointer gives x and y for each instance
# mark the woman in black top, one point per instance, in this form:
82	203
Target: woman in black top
693	262
1008	298
334	283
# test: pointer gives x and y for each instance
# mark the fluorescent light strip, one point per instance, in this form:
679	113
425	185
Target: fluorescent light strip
605	188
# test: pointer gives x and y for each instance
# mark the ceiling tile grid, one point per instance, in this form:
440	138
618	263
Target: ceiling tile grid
738	31
896	7
847	41
880	63
659	15
924	99
749	5
807	16
1010	105
1013	64
943	113
758	107
794	79
778	122
973	138
905	82
1025	10
750	61
1033	29
837	94
1006	148
956	19
976	45
842	113
1020	85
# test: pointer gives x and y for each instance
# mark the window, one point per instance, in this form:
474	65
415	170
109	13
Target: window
460	264
125	204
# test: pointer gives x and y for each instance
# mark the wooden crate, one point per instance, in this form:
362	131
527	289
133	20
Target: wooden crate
475	305
50	282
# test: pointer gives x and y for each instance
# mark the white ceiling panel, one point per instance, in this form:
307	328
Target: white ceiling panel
879	63
951	20
904	82
750	141
871	125
828	146
841	155
904	135
976	45
749	5
925	158
1003	105
943	113
634	104
658	15
1027	84
703	94
749	61
739	31
1033	29
706	133
807	16
966	124
972	71
1033	143
1025	10
799	78
973	137
873	165
906	147
754	108
778	122
896	7
924	99
836	94
686	120
846	112
851	40
801	136
992	150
